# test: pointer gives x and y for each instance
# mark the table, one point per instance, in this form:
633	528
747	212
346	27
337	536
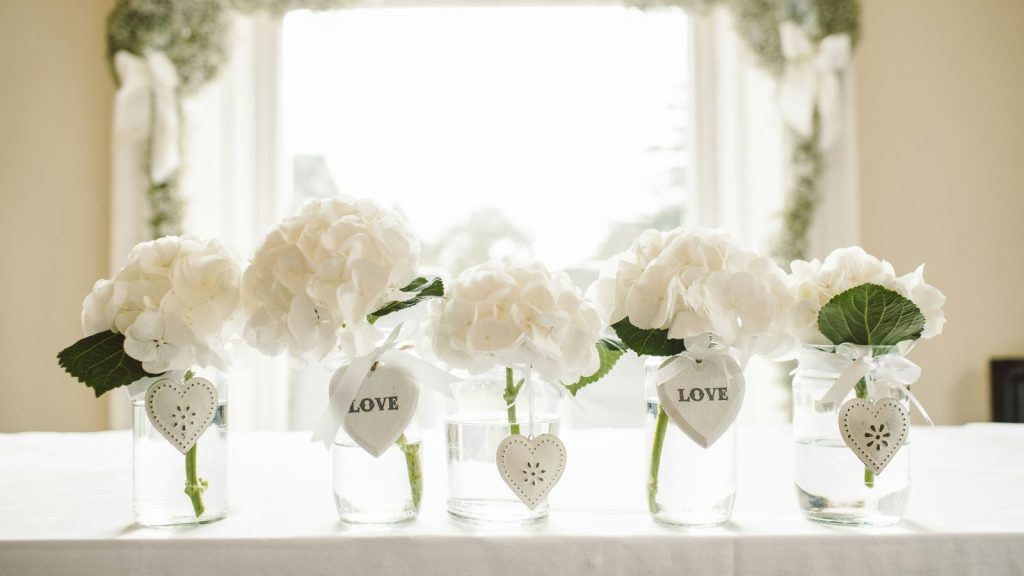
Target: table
65	508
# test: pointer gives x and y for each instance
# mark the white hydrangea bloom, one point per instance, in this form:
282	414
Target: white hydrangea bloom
503	314
693	281
175	301
320	273
814	283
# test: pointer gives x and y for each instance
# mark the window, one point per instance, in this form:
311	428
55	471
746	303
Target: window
552	132
558	132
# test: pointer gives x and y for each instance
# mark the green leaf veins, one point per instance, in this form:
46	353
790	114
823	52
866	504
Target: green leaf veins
422	287
609	352
870	315
650	342
100	362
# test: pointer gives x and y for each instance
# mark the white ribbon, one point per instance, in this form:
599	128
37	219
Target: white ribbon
144	145
146	112
853	362
699	349
812	78
346	381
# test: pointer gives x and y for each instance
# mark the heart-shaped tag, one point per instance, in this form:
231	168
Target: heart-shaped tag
704	395
382	408
875	432
181	412
531	466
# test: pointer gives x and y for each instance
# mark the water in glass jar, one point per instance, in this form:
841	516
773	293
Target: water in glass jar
159	472
379	490
696	485
477	494
831	487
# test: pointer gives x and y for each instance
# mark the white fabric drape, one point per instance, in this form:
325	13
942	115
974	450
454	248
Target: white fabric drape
66	509
145	147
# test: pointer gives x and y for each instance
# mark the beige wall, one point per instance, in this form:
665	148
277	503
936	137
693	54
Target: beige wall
55	94
940	89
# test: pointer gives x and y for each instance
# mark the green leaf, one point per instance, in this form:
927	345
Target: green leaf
649	342
100	362
609	351
870	315
421	286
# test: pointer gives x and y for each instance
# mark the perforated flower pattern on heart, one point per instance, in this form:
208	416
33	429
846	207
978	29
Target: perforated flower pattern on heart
533	473
878	437
182	417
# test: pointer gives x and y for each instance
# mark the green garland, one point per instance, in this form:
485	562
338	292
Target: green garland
192	33
758	23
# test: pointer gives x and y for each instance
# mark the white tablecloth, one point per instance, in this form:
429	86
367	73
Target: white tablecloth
65	508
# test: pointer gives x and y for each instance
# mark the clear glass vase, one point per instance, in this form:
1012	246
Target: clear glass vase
477	420
160	473
687	484
832	484
386	489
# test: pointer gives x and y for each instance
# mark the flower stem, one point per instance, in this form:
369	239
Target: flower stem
414	469
194	486
511	391
660	427
861	390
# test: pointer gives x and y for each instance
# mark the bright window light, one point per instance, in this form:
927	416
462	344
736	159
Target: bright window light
556	132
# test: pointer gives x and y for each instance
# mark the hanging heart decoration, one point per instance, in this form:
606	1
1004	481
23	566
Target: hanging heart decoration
531	466
181	412
702	394
382	408
875	432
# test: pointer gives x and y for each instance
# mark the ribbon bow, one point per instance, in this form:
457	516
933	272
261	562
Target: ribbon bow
346	381
853	362
145	110
813	78
716	360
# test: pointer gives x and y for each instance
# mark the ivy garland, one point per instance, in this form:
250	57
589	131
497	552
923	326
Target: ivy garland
758	23
192	33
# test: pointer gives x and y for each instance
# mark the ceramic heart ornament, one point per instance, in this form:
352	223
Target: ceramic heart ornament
531	466
702	394
382	408
875	432
181	411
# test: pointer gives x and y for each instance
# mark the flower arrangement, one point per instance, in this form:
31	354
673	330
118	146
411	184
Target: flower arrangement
685	283
321	278
852	306
520	317
172	307
693	288
815	284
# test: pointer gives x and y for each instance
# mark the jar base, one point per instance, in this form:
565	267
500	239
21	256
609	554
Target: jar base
885	511
704	517
351	514
480	512
690	520
165	519
375	518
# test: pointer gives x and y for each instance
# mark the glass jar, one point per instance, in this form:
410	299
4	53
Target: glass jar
478	418
832	484
687	484
386	489
160	473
